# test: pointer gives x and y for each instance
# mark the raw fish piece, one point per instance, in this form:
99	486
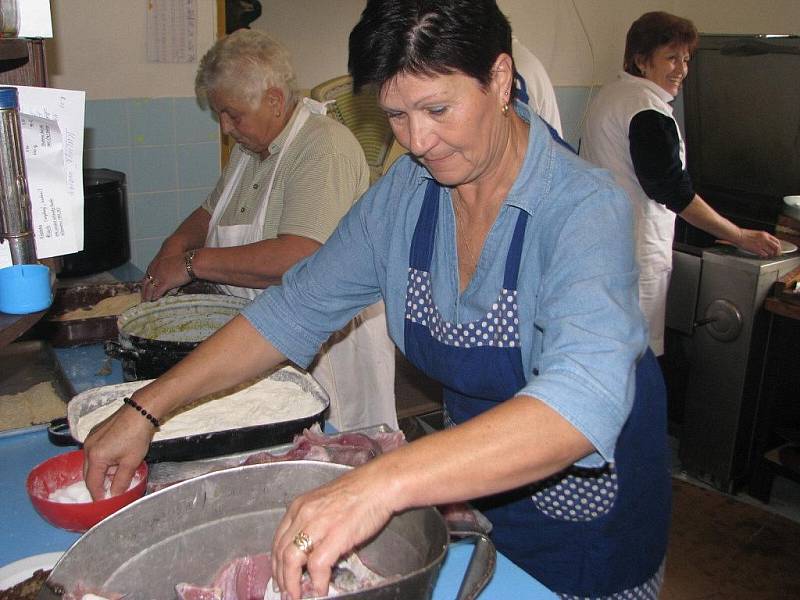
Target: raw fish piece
349	575
186	591
345	449
250	578
348	449
243	578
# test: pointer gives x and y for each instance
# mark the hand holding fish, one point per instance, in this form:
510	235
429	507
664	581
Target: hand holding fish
327	523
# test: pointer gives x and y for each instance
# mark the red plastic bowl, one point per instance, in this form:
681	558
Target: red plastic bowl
63	470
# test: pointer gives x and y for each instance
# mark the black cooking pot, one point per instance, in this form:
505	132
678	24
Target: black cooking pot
154	336
185	532
106	242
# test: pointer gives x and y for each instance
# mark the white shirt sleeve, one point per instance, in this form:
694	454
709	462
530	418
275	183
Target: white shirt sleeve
542	96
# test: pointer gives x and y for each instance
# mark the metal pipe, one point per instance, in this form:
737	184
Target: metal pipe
16	222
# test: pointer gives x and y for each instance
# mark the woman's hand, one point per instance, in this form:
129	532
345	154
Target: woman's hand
759	242
701	215
115	447
164	274
336	518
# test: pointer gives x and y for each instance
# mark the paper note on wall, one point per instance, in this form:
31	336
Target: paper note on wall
51	123
34	19
171	31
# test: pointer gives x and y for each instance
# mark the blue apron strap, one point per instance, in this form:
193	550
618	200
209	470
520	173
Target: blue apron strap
424	233
522	87
522	94
514	257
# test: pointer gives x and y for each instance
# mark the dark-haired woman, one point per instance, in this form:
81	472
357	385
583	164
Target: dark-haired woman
500	258
630	131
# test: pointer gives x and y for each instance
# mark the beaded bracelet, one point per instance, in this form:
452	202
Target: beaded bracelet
145	414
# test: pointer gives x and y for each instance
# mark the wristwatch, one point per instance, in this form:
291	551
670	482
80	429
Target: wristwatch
188	260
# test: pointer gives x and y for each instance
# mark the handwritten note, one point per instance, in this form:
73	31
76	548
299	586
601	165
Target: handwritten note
51	123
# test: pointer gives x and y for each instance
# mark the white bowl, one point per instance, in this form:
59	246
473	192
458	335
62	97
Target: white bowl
793	201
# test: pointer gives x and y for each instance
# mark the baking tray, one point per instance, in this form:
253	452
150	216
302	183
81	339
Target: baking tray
91	330
209	444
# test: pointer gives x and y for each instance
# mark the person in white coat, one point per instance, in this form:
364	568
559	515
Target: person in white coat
631	132
293	174
534	86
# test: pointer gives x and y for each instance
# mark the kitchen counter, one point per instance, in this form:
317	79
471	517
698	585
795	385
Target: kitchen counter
25	533
13	326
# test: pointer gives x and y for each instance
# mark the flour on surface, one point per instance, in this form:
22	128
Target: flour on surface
264	402
40	403
78	493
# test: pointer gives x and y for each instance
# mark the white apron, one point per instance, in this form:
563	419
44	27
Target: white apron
356	365
606	143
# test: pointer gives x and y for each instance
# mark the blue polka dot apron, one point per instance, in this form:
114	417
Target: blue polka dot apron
584	533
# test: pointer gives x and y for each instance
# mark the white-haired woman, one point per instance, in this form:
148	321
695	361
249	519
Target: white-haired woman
291	177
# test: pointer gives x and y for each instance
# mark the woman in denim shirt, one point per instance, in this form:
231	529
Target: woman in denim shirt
507	268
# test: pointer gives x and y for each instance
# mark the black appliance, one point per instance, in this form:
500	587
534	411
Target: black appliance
742	119
106	242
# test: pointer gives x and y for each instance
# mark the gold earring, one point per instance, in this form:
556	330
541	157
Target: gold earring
504	110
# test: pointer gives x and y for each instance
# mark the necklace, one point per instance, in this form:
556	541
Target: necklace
471	258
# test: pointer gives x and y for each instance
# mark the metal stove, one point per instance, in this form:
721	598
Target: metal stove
714	311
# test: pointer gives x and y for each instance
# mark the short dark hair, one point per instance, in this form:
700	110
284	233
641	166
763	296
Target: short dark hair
427	37
653	30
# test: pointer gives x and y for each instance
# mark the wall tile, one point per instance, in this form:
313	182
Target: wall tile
118	159
154	215
189	200
106	123
168	149
198	165
193	124
154	169
152	121
143	251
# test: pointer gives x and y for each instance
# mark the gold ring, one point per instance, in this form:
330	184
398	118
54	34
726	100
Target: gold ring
303	542
155	283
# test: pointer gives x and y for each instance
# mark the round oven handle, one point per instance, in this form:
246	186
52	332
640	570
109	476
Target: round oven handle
723	320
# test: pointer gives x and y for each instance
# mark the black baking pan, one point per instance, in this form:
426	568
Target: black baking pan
204	445
79	331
